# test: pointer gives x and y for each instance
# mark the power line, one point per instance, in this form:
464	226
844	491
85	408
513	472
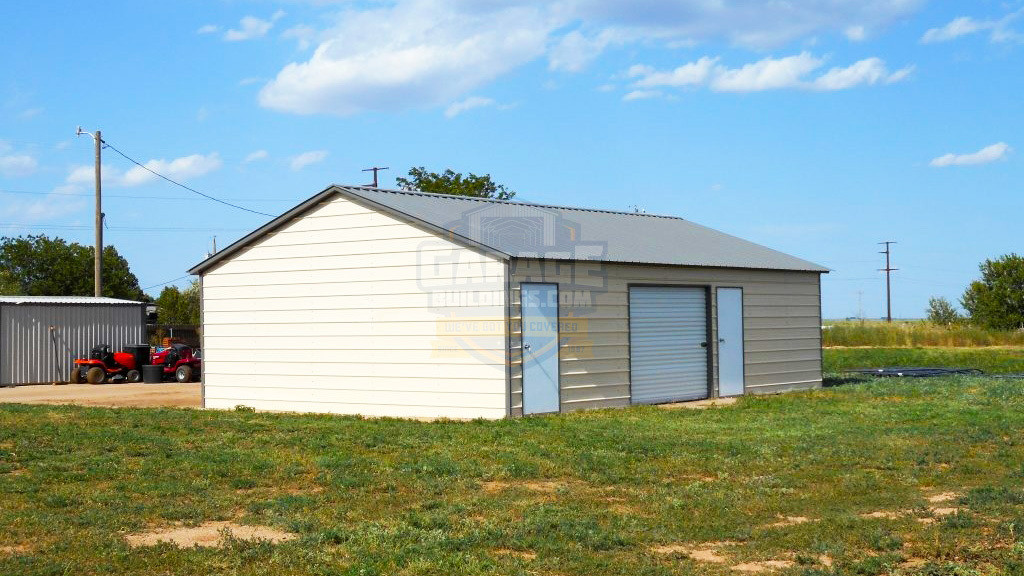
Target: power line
168	282
176	183
118	228
133	196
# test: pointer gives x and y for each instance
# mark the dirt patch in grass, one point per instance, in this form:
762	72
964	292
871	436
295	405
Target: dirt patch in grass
545	486
706	552
209	534
943	497
886	514
790	521
700	404
18	549
943	511
524	554
763	566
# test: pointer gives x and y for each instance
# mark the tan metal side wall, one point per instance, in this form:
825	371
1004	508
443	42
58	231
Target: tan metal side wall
349	310
781	315
39	342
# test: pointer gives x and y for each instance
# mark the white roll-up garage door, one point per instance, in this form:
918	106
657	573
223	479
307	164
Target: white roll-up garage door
668	343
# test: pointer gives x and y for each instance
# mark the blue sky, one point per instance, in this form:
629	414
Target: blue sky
816	127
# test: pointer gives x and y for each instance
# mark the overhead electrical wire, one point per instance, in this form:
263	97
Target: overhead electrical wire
168	282
176	183
135	196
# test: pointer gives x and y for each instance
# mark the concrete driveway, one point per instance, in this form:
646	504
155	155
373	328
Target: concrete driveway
172	395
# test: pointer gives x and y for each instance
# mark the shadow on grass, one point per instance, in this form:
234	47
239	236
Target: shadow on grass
830	380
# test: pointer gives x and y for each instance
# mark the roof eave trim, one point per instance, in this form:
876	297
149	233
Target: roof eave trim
312	202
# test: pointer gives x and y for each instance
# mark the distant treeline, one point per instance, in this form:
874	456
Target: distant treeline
913	333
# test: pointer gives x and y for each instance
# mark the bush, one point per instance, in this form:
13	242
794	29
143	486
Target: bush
942	312
997	300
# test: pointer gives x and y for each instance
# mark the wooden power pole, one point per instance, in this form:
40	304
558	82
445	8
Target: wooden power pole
98	254
888	284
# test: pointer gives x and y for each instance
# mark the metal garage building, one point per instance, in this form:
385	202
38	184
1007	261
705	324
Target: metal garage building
397	303
40	336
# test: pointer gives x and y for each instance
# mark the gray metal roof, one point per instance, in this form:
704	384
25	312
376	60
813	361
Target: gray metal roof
65	300
525	230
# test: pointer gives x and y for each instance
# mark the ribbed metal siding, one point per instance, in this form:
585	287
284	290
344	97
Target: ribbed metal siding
31	353
666	328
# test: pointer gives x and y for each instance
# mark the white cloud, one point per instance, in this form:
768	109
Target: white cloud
85	174
574	51
855	33
766	74
642	95
752	24
300	161
468	104
179	169
29	113
992	153
961	26
428	53
54	205
250	80
790	72
418	53
999	29
208	29
692	74
256	156
251	27
869	71
303	34
17	165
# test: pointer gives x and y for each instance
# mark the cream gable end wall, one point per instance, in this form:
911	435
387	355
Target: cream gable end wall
348	310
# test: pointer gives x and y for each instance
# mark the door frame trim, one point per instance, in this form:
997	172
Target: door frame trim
743	336
558	344
707	332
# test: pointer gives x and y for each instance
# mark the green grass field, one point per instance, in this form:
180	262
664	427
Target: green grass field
642	491
989	360
910	333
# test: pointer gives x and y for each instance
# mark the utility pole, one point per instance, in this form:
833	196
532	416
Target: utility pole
888	284
375	169
98	255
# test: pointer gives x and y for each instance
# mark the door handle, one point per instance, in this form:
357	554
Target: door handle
721	340
526	346
703	344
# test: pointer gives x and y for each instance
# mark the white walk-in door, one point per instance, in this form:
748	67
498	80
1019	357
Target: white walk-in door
668	330
730	341
540	348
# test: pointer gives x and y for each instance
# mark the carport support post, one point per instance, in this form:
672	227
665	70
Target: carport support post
98	256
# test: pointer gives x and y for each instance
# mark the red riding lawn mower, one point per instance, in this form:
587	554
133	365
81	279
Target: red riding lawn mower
180	361
177	361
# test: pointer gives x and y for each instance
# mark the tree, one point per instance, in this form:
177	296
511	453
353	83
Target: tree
8	284
43	266
997	300
179	306
941	311
451	182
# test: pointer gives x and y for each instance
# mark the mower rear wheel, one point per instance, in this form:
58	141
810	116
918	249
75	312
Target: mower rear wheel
95	375
183	373
75	377
133	376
